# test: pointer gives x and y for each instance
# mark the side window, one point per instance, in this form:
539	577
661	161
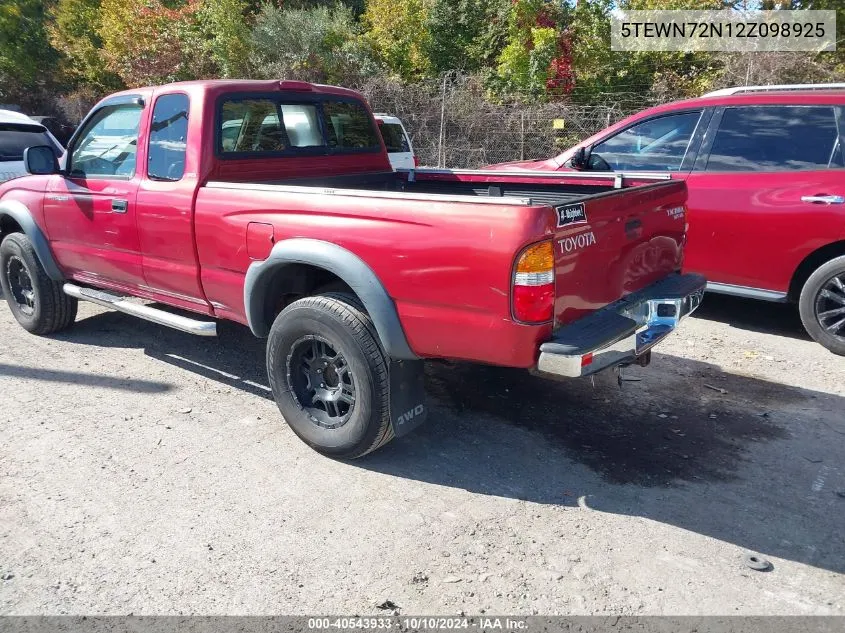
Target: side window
168	138
350	126
394	137
773	138
658	144
109	143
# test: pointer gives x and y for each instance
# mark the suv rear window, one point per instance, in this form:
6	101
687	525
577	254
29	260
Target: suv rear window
15	138
271	126
773	138
394	137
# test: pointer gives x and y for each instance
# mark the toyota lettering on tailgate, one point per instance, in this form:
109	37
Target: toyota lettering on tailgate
577	242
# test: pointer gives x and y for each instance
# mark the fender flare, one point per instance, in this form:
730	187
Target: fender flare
20	213
344	264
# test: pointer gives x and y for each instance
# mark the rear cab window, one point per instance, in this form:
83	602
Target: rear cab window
776	138
280	126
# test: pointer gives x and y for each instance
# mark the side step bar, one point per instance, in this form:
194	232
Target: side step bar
116	302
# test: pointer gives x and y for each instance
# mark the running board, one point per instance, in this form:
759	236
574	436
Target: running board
116	302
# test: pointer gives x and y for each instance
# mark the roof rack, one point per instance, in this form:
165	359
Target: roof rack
774	88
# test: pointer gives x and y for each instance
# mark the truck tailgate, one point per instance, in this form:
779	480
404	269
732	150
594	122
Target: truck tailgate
615	243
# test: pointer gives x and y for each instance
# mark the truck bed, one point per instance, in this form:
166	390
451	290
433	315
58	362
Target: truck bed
521	188
623	232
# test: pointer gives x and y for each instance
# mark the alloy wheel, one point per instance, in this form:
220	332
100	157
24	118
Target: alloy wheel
20	284
830	306
321	381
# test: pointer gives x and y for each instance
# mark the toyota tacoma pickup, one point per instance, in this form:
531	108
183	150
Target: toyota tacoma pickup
273	204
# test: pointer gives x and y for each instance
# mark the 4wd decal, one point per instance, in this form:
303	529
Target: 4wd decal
576	242
676	213
571	214
410	415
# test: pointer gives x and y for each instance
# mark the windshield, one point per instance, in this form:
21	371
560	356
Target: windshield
16	137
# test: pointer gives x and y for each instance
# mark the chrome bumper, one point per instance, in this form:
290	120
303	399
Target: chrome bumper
621	332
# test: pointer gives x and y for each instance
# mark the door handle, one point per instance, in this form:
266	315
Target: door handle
119	206
824	199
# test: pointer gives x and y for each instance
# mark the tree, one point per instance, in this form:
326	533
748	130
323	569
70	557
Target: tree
147	42
320	43
600	70
26	57
535	62
397	30
465	34
225	35
75	33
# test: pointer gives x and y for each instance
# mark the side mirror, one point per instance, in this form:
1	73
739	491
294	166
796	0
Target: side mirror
40	160
581	158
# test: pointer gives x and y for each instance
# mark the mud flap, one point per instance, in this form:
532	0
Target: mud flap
407	396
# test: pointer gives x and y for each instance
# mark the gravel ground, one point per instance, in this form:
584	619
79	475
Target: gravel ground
145	471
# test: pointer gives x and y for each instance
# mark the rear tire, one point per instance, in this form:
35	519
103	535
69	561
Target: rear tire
37	302
329	375
822	305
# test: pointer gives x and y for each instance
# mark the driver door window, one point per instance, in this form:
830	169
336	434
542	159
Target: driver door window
90	210
658	144
109	144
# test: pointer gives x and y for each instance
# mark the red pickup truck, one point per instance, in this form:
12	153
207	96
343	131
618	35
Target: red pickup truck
765	172
273	204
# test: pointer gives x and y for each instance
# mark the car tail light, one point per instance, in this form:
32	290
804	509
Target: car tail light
416	162
534	284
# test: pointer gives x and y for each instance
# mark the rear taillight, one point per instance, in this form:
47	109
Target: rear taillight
416	162
534	284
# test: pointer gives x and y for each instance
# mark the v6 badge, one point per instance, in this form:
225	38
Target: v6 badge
571	214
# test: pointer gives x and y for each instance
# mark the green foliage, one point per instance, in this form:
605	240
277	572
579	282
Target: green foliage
225	35
398	33
533	41
74	33
600	70
357	6
529	50
25	51
148	42
466	35
314	44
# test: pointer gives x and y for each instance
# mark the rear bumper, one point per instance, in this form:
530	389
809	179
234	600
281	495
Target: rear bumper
621	332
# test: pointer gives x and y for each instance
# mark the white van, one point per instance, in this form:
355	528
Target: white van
397	142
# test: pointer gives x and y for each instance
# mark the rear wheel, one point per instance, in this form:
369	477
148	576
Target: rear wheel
329	375
37	302
822	305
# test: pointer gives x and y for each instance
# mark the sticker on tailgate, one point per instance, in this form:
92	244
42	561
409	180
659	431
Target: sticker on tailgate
571	214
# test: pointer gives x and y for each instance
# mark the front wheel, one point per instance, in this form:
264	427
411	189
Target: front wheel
822	305
329	375
37	302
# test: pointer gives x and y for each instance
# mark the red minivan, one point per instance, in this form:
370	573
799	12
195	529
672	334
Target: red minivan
765	171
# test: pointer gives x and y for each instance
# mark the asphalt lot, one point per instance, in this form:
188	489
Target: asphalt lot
145	471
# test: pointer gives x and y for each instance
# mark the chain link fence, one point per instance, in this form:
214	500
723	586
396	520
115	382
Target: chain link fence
453	123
